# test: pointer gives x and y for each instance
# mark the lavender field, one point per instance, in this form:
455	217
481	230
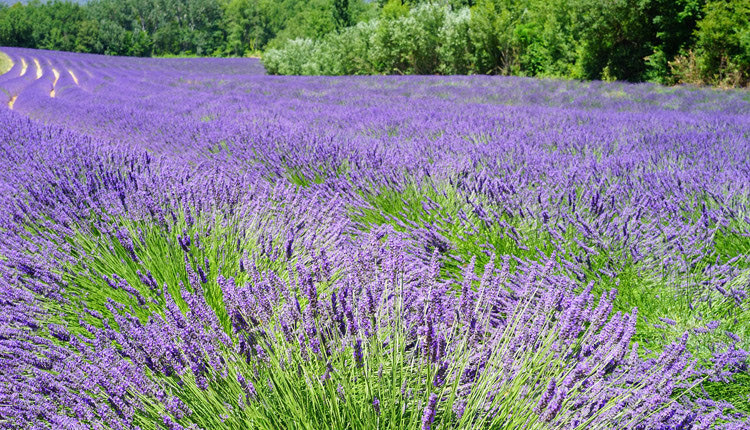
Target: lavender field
191	244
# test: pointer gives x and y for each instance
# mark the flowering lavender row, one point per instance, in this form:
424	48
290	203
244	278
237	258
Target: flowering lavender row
188	243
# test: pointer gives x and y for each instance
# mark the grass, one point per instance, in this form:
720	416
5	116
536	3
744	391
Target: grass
5	63
659	296
156	249
737	393
451	225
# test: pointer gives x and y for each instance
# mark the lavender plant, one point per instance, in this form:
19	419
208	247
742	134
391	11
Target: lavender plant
193	244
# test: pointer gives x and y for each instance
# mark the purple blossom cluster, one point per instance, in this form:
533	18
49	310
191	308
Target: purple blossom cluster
182	241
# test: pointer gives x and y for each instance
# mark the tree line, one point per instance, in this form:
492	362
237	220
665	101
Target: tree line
665	41
172	27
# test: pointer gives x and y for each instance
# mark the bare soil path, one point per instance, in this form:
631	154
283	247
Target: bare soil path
39	71
54	84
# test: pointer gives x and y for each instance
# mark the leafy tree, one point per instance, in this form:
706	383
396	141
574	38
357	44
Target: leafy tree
16	27
674	22
88	38
341	14
617	36
138	44
491	32
250	25
394	9
723	42
56	25
308	19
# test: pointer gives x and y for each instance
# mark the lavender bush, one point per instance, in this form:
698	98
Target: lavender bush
188	243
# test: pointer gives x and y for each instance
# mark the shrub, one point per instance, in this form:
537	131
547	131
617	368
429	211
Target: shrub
455	51
397	43
723	43
297	58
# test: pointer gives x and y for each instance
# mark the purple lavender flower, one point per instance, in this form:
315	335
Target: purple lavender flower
428	416
547	396
358	359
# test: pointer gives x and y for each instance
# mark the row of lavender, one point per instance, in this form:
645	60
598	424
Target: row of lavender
192	243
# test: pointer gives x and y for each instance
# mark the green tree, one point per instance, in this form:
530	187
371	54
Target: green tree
723	42
56	25
674	22
491	31
16	27
341	13
88	38
249	24
138	44
616	38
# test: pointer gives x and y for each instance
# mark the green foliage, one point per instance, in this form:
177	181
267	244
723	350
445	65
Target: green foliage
674	23
394	9
173	27
88	39
298	59
400	44
723	43
51	25
157	27
631	40
350	58
250	25
342	16
431	38
491	37
313	19
532	37
455	50
736	393
5	63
